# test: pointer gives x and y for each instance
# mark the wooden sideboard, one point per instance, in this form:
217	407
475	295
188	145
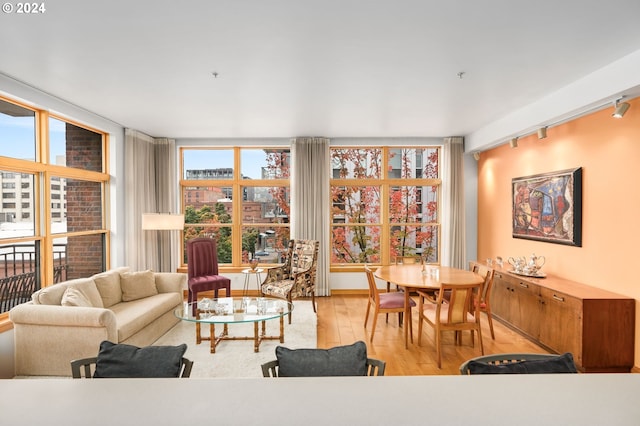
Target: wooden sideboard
595	325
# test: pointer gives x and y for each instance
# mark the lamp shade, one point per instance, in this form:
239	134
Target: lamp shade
162	221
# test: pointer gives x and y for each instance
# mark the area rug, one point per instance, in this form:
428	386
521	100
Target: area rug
236	358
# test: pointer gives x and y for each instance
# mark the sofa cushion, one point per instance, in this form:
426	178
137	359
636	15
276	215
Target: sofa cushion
137	285
52	295
108	284
349	360
135	315
74	297
558	364
121	360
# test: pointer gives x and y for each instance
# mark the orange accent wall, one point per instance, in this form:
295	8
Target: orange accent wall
608	150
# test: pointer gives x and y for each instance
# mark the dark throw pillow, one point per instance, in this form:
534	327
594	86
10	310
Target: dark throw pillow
120	360
557	364
349	360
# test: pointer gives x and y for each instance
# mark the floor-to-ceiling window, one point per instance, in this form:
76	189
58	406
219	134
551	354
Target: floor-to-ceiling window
385	203
52	218
240	197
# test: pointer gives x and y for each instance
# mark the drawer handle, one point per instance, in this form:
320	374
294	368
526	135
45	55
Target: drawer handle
524	285
558	298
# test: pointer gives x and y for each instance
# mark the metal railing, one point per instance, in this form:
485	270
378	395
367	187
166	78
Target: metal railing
20	272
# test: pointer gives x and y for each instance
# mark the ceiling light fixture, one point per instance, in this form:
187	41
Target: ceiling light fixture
542	132
514	142
620	108
476	155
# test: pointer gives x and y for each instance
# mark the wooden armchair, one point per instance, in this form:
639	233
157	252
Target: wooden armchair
297	276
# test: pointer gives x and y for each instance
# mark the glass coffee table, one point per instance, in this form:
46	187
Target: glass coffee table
235	310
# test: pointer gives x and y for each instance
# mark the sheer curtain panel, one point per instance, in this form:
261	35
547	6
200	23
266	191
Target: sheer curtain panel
150	187
310	200
453	250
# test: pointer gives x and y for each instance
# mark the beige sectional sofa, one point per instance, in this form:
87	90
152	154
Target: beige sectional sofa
68	320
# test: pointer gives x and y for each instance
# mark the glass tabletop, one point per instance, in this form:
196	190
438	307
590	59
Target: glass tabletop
229	310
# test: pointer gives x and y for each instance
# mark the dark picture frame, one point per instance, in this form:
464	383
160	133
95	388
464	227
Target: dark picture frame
548	207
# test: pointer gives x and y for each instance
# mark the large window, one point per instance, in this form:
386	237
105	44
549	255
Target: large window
52	218
385	203
240	197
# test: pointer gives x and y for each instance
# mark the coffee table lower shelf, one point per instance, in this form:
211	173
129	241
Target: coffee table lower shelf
258	335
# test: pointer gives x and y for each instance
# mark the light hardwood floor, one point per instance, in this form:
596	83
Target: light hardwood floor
341	322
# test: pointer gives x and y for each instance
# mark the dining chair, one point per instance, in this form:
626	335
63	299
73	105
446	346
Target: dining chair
385	303
458	314
483	298
202	270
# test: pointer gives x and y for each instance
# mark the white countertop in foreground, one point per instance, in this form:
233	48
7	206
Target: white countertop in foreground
562	399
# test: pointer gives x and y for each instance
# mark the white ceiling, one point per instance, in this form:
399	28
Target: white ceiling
335	68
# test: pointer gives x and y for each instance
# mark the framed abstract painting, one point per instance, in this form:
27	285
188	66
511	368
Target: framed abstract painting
548	207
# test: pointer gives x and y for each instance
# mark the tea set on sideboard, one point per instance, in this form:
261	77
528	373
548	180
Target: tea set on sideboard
522	265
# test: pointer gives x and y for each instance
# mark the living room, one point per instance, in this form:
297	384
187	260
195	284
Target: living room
576	111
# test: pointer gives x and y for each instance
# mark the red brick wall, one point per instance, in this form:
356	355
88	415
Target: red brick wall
84	203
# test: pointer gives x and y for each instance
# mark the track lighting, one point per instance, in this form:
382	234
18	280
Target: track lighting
514	142
542	132
620	109
476	155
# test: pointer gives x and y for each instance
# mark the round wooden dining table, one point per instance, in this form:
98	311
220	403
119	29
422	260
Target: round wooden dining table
423	277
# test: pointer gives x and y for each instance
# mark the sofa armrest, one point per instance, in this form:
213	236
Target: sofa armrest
48	337
167	282
55	315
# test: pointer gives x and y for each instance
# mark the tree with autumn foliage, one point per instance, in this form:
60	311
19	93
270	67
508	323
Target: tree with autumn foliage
412	208
222	234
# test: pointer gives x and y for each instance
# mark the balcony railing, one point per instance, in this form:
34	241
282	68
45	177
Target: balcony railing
20	272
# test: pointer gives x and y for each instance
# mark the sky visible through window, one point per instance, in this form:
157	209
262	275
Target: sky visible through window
251	165
17	137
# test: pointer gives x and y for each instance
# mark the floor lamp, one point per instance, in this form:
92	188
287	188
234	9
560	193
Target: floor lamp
163	222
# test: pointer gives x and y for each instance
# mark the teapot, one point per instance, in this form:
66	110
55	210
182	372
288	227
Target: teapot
535	262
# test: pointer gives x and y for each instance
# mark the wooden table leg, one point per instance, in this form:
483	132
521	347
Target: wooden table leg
407	316
212	338
256	339
281	328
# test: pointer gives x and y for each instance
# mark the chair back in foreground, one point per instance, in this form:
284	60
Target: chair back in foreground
127	361
457	314
202	269
297	276
519	363
347	360
86	367
384	303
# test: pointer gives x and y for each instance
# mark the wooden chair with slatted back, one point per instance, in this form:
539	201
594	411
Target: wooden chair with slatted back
384	303
483	299
459	314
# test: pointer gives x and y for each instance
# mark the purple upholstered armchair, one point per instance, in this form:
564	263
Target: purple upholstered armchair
202	267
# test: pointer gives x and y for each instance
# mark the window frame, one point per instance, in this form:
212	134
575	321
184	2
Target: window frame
237	184
43	172
386	184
